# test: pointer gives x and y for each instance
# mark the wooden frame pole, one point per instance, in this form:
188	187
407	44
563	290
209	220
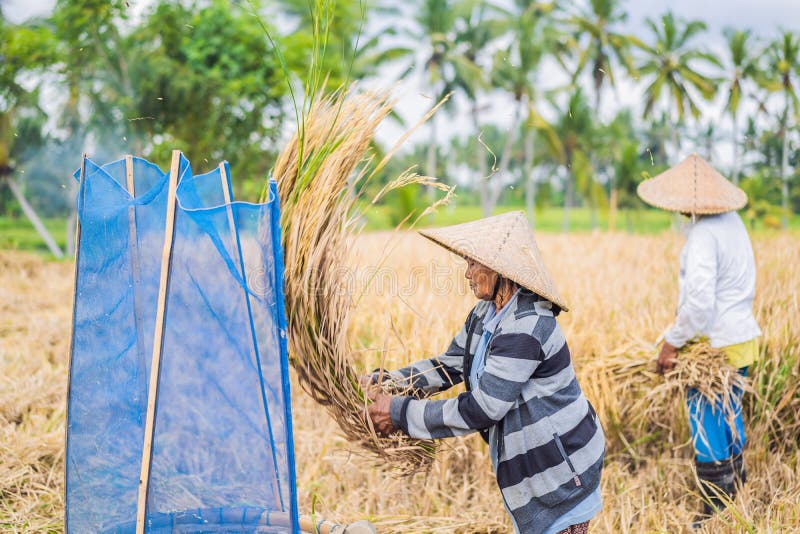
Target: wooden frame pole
79	201
226	193
136	272
158	343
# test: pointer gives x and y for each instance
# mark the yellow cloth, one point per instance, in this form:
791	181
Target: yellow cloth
742	354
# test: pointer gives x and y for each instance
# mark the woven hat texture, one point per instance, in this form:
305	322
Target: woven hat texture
692	186
505	244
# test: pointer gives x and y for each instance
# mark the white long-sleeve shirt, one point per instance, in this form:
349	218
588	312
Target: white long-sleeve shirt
717	283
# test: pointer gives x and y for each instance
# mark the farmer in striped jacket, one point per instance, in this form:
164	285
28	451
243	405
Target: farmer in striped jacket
545	440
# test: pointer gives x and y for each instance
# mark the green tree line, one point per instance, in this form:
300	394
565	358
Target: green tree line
203	76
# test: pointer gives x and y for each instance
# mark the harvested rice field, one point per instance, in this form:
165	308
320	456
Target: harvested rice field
622	291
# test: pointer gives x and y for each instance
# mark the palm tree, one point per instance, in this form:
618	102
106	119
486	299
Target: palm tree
515	69
743	62
536	126
576	128
599	46
476	29
706	137
626	171
675	65
612	154
783	62
656	134
436	31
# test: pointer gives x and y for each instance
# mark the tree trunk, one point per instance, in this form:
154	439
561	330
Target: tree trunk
568	191
430	165
597	102
592	196
612	208
530	178
505	159
735	149
676	143
480	152
784	168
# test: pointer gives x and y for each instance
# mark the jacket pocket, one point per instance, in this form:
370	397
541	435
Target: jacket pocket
575	478
566	489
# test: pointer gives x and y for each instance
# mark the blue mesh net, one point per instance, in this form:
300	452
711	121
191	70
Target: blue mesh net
222	455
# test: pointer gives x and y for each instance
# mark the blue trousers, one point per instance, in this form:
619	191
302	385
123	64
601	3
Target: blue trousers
713	438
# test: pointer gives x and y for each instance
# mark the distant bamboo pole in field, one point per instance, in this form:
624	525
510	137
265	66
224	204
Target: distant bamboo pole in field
30	213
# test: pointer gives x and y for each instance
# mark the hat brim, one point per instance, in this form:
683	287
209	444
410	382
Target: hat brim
535	278
692	186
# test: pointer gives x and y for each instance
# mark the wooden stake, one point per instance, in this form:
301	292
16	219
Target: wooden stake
132	218
158	344
129	175
136	271
81	191
226	192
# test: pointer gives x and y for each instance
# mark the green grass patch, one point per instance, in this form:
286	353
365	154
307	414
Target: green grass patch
545	220
19	234
551	219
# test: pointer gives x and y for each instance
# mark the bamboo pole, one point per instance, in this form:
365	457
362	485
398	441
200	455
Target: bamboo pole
226	192
81	191
158	343
320	526
132	219
136	272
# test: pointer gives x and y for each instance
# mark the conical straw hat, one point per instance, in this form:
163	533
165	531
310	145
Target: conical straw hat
692	186
505	244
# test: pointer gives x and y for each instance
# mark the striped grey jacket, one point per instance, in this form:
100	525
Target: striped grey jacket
550	446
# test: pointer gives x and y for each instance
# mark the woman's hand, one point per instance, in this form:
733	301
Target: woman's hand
379	412
666	358
366	381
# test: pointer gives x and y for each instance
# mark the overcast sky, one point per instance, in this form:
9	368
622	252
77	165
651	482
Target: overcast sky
764	17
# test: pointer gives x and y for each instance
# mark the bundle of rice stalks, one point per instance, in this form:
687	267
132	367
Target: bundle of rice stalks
654	404
321	177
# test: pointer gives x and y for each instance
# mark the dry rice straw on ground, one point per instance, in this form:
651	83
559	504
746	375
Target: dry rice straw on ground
320	177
